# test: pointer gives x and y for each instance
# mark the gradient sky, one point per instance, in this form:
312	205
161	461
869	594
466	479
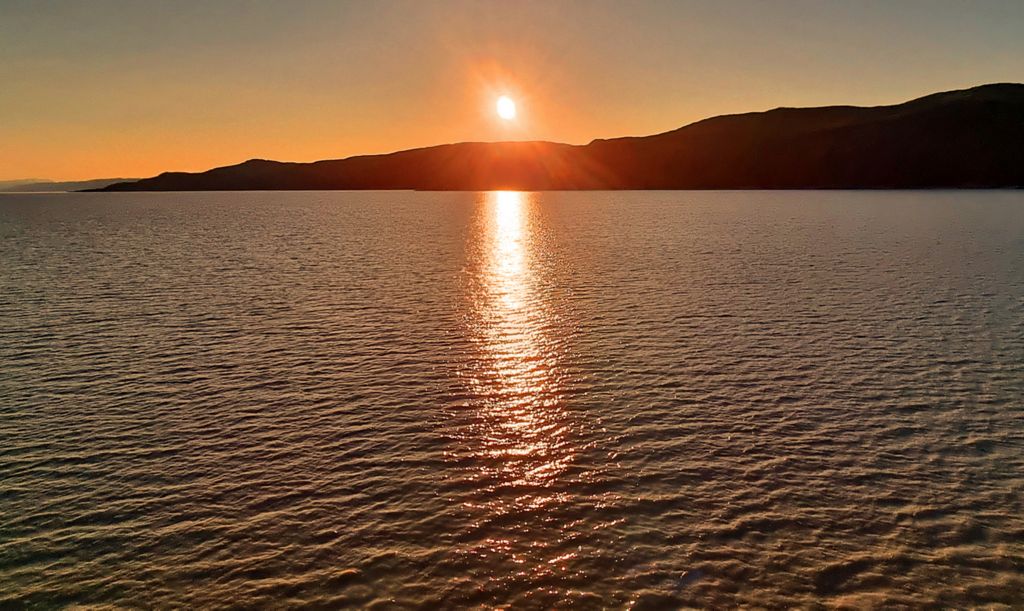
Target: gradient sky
101	88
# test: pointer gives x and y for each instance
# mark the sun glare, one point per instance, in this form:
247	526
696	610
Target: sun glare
506	108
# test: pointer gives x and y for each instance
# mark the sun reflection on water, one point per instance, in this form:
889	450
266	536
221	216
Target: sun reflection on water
522	408
520	441
506	263
518	444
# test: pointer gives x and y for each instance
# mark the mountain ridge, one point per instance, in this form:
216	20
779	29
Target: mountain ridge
962	138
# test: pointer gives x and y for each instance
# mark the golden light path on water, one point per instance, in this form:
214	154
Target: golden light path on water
523	442
523	398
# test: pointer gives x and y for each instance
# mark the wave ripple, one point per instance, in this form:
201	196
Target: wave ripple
597	400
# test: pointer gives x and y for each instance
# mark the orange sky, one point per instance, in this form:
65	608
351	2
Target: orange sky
104	88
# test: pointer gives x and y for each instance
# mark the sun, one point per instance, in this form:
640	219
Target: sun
506	108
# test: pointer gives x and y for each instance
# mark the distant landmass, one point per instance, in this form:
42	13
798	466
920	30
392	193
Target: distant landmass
957	139
37	185
4	184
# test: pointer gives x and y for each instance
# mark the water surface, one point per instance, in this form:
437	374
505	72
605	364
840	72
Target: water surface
596	400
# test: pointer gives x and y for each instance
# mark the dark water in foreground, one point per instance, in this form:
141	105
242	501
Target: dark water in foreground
572	399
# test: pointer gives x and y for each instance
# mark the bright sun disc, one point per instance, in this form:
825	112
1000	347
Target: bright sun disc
506	108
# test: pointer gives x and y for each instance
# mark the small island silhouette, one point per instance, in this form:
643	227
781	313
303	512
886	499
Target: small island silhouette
971	138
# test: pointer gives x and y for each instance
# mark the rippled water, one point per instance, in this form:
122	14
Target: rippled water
504	399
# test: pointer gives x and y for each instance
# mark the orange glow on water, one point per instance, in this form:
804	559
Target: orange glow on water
519	442
519	381
508	252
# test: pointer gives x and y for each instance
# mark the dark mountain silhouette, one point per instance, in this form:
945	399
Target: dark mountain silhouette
968	138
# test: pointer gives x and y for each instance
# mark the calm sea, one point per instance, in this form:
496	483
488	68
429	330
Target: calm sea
621	399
